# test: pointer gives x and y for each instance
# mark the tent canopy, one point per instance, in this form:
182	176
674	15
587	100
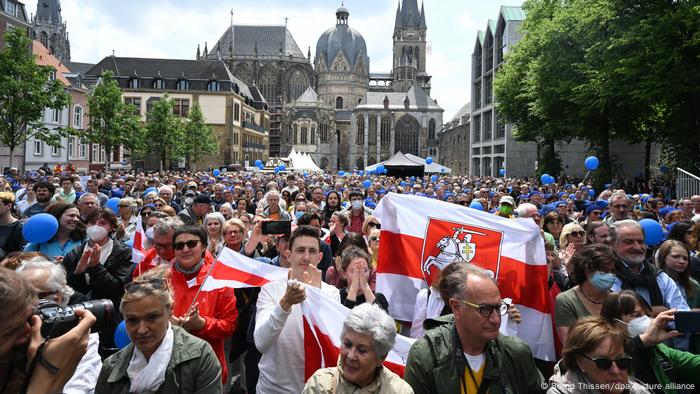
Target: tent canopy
409	161
302	162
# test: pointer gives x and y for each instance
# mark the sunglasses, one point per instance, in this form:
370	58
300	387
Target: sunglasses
375	225
156	283
373	239
190	244
577	233
604	364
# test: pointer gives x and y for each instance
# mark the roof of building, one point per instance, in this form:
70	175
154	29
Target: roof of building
49	10
80	68
342	38
512	13
464	111
45	58
263	41
164	68
408	16
492	25
417	99
309	96
480	36
20	13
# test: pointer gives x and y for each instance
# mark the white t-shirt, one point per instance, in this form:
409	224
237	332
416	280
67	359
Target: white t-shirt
425	308
475	362
279	336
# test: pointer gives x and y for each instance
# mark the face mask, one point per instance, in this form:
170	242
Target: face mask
96	233
601	281
638	325
299	214
149	233
356	204
506	209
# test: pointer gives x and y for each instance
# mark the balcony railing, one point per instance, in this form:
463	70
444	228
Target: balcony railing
252	126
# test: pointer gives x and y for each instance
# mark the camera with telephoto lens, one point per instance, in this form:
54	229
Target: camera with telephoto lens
58	320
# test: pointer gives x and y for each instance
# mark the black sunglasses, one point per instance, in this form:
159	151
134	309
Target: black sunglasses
190	244
375	225
604	364
156	283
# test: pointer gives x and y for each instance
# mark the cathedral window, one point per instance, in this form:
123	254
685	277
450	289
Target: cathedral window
360	138
324	132
313	135
268	84
372	132
182	84
304	135
386	129
158	84
298	83
295	135
133	83
44	39
431	129
213	86
338	102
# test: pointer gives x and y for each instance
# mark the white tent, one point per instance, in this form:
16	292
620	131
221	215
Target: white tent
301	162
433	168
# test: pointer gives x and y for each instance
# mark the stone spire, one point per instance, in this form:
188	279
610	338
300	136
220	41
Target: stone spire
50	30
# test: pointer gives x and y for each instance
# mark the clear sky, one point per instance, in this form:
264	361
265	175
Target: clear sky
173	28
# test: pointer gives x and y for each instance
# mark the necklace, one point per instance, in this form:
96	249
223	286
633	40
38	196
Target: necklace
589	299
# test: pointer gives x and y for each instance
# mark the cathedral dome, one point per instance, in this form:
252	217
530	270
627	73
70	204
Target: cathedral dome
342	38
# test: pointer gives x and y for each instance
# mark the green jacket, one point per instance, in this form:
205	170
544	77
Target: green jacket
670	365
436	363
193	368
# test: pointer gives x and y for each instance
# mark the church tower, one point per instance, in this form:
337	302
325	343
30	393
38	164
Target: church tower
50	30
410	47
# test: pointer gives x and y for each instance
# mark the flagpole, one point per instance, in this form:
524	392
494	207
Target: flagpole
216	260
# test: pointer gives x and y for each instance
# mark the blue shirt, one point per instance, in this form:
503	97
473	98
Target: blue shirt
673	298
53	248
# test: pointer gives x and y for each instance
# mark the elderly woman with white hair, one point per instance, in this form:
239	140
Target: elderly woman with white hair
126	219
274	209
367	337
214	225
49	281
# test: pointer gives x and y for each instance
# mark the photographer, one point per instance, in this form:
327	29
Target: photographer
27	362
49	280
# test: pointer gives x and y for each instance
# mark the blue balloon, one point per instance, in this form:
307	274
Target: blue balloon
476	205
653	233
551	179
113	204
277	169
413	179
283	167
258	163
502	172
404	183
341	173
40	228
121	337
216	172
428	160
380	168
591	193
361	173
385	171
544	179
367	183
591	163
306	173
434	178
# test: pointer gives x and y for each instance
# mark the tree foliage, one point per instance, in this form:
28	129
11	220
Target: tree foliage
112	122
598	70
25	93
165	131
199	137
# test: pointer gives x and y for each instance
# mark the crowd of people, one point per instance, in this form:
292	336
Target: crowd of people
613	295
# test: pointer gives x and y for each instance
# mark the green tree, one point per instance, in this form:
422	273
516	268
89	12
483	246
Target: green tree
112	122
25	93
199	137
165	131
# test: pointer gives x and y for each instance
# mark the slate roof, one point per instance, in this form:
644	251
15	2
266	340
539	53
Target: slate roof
49	10
511	13
408	16
275	41
80	68
417	98
309	96
342	38
464	111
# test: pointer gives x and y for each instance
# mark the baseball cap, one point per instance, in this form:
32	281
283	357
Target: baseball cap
507	200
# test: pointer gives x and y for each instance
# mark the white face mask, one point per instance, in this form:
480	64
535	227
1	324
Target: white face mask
638	325
96	233
356	204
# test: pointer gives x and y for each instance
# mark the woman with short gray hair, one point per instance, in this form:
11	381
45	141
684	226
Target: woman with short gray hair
368	335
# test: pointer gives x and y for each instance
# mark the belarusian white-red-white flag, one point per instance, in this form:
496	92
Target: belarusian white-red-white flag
138	250
420	236
323	325
232	269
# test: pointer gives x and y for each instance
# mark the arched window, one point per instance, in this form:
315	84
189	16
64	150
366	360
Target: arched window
268	83
213	86
77	117
338	102
295	135
372	132
386	129
431	129
360	137
416	56
182	84
243	72
407	132
44	39
158	83
134	83
298	83
304	135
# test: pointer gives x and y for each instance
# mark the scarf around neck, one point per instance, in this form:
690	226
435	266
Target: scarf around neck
646	279
149	375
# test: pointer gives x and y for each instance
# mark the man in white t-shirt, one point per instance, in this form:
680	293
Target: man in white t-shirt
279	328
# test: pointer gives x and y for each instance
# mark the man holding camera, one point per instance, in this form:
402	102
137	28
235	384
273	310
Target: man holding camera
27	362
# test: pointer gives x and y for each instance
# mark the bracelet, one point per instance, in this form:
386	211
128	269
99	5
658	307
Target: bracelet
40	355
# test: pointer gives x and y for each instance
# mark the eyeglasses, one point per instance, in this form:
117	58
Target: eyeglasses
124	206
190	244
155	283
595	213
233	232
375	225
620	206
485	310
373	239
159	205
604	364
156	245
577	233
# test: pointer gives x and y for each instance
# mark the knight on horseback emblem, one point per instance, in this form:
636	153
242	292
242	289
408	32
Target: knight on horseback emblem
452	248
